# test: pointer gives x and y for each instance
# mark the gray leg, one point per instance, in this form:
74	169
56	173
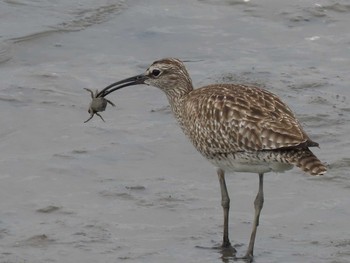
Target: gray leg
92	115
99	116
225	202
258	204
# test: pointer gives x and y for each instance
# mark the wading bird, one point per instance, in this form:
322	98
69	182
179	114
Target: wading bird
238	128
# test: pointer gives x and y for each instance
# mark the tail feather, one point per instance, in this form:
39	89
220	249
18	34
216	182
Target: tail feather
308	162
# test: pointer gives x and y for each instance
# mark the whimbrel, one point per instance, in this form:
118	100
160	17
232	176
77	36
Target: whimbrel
238	128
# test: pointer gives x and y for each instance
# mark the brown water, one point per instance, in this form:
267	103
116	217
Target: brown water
133	189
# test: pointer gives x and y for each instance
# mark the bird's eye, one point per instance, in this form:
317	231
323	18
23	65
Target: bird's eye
155	72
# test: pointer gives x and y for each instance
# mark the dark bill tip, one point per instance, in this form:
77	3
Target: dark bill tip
135	80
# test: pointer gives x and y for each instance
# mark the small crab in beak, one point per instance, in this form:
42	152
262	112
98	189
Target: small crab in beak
98	104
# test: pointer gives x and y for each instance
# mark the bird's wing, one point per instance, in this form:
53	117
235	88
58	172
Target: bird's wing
242	118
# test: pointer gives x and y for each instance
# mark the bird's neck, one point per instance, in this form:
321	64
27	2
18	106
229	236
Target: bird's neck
177	99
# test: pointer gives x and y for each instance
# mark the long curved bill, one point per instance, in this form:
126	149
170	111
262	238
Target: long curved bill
135	80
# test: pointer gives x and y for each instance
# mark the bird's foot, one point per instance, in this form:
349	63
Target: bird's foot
227	252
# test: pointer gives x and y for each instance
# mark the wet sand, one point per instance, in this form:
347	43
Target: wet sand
133	189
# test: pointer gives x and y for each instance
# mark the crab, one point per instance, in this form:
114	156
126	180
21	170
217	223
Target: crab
97	104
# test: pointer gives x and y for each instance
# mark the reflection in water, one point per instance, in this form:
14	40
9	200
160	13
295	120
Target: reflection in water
228	254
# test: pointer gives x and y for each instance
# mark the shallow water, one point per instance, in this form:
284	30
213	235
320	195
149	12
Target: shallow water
133	189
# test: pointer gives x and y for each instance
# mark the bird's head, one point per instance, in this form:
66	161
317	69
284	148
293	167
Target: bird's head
168	74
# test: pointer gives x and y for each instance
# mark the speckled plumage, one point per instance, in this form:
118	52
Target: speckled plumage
236	127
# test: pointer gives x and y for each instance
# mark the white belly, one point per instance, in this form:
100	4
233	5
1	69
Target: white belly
250	163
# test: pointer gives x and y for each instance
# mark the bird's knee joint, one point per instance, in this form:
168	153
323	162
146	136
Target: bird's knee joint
225	203
259	202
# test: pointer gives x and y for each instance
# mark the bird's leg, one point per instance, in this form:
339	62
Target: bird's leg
225	202
258	204
226	249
